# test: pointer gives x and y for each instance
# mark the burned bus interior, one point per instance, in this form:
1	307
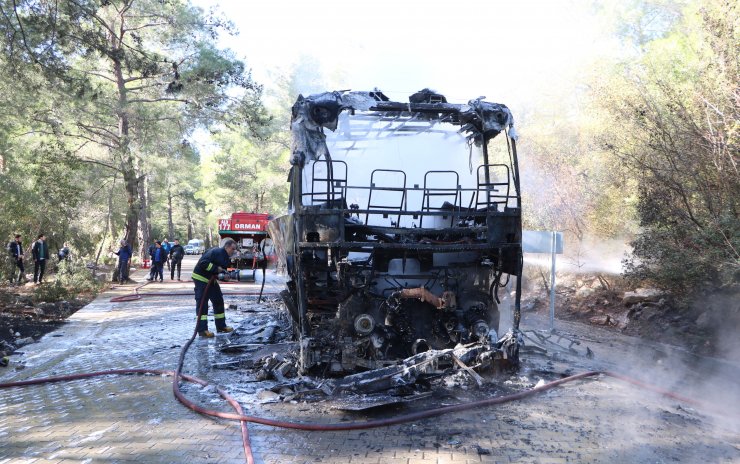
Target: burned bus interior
404	225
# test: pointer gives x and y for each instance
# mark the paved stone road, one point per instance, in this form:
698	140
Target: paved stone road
136	419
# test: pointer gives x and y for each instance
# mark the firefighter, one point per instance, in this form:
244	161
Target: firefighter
209	265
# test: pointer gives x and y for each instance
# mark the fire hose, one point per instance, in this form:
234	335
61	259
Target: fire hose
137	296
344	426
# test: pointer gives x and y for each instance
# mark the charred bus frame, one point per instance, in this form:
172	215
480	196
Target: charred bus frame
364	293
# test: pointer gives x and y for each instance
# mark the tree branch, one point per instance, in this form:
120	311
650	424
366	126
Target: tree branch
23	32
98	75
94	15
95	129
99	142
100	163
149	86
143	26
155	100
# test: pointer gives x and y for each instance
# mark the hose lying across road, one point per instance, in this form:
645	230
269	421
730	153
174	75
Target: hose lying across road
344	426
357	425
137	296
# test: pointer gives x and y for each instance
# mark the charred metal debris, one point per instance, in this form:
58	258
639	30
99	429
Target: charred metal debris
404	222
261	348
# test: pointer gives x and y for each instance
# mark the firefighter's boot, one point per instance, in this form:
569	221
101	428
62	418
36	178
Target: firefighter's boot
206	334
225	329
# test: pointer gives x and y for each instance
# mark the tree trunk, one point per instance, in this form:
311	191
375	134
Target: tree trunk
170	224
147	201
190	221
112	222
144	229
131	183
128	168
108	226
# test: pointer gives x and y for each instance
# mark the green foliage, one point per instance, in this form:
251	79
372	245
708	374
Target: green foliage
250	170
7	266
250	175
678	110
569	181
72	278
51	292
98	100
639	22
76	277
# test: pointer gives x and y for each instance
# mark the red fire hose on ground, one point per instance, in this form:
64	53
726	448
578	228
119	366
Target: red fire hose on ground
357	425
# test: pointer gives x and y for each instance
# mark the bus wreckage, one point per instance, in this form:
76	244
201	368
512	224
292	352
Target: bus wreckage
404	222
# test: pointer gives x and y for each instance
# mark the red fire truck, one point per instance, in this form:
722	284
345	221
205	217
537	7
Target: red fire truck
250	232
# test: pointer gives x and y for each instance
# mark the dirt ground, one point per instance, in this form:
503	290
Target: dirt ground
24	316
706	327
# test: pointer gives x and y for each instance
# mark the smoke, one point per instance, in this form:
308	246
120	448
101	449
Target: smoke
594	255
670	427
589	256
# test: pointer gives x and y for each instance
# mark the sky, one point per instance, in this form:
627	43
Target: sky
509	52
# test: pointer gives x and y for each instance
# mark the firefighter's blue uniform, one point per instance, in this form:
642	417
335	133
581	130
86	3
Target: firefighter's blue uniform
207	267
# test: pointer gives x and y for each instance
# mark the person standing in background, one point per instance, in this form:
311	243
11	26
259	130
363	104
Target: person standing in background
159	256
15	248
152	269
63	252
124	255
40	253
177	252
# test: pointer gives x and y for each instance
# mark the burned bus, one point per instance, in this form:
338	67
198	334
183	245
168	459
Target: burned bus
404	220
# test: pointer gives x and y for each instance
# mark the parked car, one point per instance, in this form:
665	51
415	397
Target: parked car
198	245
189	250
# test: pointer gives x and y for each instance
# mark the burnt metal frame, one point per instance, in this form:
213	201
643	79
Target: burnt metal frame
450	113
455	193
332	182
383	209
490	189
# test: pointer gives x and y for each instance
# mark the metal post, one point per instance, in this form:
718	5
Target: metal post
552	281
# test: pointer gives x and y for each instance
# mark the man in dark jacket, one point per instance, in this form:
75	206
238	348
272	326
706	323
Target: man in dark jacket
212	262
15	248
40	252
63	252
159	256
177	252
152	268
124	255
